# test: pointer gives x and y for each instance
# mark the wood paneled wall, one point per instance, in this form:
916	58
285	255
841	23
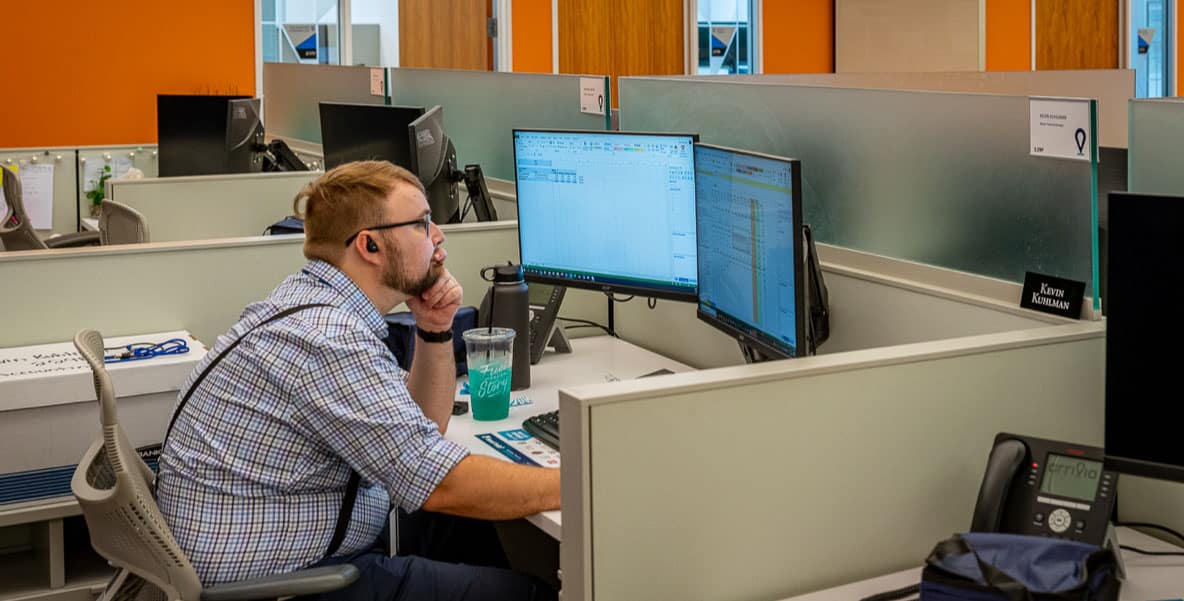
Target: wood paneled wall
1077	34
621	37
445	34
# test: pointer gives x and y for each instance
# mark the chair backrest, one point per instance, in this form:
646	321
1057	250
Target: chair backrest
121	224
113	487
16	231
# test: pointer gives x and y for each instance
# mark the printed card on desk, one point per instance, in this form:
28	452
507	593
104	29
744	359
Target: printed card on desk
520	447
1054	295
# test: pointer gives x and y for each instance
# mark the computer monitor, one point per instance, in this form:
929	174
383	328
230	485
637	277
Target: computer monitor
433	160
749	237
1142	329
191	134
604	210
245	144
362	132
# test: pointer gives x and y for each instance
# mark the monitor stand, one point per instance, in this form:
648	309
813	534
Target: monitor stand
752	355
558	339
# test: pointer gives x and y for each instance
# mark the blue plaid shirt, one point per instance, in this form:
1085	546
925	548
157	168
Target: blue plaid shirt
253	474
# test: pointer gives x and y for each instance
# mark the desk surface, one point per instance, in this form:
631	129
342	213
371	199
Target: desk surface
592	360
1148	577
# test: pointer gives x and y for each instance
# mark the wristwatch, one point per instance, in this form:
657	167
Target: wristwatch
429	336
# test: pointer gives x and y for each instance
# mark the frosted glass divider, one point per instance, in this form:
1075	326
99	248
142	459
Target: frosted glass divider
292	94
939	178
1156	130
481	107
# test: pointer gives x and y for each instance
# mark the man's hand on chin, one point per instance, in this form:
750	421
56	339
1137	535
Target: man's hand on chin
435	308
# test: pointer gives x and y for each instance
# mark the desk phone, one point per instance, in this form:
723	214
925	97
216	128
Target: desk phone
1045	488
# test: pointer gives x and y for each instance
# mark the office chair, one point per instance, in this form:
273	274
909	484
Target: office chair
16	231
121	224
113	487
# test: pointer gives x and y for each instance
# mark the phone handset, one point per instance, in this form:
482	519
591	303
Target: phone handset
1006	458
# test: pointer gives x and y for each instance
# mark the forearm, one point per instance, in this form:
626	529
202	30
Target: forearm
492	489
432	382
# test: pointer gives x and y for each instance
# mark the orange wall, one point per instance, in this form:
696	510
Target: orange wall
94	68
1009	35
531	20
798	36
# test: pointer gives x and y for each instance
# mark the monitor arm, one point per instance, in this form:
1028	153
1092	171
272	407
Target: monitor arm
278	157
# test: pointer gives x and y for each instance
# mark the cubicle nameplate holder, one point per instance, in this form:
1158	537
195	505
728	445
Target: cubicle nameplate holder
1054	295
1060	127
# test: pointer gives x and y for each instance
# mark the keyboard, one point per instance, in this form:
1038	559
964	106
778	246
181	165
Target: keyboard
545	427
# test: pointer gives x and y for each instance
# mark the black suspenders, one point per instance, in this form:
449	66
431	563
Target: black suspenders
355	480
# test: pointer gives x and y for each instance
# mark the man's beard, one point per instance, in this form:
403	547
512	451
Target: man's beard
392	277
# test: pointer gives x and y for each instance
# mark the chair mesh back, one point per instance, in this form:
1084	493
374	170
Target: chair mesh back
121	224
15	231
112	485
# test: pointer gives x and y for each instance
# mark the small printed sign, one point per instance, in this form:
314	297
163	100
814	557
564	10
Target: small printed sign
592	98
1054	295
377	82
1060	128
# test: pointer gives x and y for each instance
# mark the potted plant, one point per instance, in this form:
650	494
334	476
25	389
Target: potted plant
96	194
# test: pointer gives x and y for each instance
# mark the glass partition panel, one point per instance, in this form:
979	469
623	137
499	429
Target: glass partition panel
292	93
1156	129
938	178
1111	87
481	107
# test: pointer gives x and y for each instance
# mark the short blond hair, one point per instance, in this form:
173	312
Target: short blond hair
344	200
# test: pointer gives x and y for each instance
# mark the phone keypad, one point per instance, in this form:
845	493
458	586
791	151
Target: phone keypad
1059	520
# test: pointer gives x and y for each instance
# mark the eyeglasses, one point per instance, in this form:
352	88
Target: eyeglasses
425	222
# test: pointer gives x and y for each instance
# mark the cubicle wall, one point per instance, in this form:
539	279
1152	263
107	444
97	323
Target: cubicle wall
199	286
211	206
1111	87
293	92
874	302
93	159
481	107
765	481
56	207
938	178
1156	160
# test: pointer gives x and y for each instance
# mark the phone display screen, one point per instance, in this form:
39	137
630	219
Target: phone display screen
539	294
1071	477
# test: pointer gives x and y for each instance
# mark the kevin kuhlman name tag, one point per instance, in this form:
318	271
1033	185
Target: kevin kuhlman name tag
1052	295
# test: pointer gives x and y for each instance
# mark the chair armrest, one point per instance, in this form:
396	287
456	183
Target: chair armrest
73	240
293	584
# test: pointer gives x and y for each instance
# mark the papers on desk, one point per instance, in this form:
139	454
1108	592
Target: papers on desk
520	447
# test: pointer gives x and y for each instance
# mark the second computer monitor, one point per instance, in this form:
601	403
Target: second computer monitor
362	132
749	235
191	134
612	211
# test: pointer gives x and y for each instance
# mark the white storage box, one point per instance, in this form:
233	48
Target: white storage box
49	415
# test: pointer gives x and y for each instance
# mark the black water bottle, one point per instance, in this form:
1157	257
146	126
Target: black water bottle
507	305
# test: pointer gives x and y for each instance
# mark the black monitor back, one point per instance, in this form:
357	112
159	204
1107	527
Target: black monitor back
1142	331
191	134
245	144
433	160
362	132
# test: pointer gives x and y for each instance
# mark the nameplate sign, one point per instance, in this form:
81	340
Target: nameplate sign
1053	295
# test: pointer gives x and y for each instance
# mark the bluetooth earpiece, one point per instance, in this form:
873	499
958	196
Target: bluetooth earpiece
370	245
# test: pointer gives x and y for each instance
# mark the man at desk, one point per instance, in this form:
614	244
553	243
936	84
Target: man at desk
256	469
